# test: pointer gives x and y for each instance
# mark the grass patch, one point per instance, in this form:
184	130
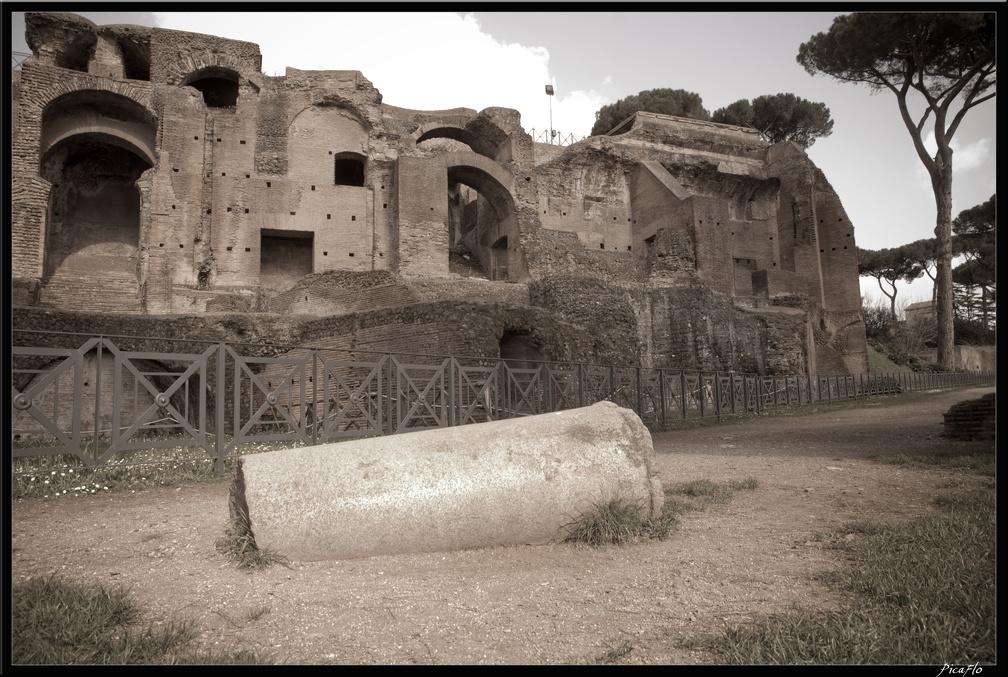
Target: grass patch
925	593
617	522
705	489
805	409
978	457
613	523
56	622
256	613
747	484
67	476
239	544
879	363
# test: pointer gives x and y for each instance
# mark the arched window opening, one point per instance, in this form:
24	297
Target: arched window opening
94	205
217	92
349	169
219	86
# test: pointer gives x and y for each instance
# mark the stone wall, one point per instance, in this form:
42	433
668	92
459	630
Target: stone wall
972	419
670	243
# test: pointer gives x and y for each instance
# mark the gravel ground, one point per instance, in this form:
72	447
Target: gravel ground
653	602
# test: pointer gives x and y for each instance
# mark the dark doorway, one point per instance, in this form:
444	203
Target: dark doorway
285	256
521	351
94	205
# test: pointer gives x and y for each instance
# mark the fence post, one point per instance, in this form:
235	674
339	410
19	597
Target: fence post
682	393
661	392
452	418
759	394
640	400
731	389
219	413
701	395
393	394
97	412
312	396
717	395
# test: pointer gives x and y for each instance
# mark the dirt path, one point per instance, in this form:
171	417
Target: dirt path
546	604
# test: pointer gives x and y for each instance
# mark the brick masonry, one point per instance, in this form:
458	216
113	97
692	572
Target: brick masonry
302	207
972	419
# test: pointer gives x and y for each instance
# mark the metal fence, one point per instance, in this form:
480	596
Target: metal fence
99	400
554	137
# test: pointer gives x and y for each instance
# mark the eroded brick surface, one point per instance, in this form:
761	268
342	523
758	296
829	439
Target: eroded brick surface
163	185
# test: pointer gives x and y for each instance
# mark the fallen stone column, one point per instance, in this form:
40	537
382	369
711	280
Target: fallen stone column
519	481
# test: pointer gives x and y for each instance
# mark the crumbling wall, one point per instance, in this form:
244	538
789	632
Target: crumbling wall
420	237
256	187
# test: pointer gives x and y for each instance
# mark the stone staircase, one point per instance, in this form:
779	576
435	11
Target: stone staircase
107	292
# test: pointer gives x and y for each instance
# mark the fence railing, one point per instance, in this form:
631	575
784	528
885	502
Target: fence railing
99	400
554	137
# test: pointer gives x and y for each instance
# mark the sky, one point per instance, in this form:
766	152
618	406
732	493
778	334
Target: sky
438	60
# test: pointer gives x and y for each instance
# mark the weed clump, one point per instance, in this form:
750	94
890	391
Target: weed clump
59	622
609	523
616	522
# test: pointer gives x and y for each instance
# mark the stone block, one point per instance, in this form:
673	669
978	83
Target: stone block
517	481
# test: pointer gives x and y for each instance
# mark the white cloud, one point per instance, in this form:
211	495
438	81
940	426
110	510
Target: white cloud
424	61
970	156
976	155
575	114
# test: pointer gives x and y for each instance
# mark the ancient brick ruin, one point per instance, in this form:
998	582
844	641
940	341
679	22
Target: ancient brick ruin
972	419
163	185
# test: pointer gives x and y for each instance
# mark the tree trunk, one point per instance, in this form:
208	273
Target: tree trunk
983	305
942	184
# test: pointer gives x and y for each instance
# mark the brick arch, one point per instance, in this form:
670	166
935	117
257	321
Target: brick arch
211	72
137	134
191	65
496	247
447	130
139	96
130	136
482	174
